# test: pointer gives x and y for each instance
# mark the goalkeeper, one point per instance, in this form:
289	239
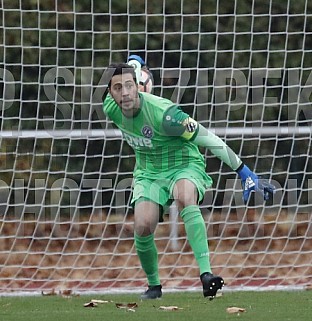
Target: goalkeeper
169	167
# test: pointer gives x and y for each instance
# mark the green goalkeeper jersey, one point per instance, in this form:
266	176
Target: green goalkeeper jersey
158	148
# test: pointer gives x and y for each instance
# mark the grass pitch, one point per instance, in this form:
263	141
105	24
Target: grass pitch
274	305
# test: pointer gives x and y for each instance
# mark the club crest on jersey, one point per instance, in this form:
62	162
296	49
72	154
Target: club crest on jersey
147	131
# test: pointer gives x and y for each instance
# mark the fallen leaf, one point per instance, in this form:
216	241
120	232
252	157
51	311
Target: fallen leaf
126	306
169	308
52	292
90	305
130	310
129	307
233	310
66	293
100	301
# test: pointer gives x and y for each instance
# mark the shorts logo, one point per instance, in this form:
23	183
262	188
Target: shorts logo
147	132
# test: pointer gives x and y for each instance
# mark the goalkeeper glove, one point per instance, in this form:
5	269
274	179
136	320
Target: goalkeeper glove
251	182
137	58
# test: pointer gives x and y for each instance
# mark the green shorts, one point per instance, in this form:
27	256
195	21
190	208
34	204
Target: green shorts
160	190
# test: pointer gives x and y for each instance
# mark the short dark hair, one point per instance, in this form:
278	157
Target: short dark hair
119	69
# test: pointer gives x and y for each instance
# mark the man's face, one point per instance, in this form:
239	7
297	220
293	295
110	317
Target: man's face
124	90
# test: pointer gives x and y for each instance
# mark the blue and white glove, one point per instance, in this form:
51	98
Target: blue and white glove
137	58
137	63
251	182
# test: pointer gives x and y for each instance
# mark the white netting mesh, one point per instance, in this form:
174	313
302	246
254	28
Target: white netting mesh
242	68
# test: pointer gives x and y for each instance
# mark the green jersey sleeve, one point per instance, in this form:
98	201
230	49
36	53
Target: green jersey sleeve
217	146
178	123
173	121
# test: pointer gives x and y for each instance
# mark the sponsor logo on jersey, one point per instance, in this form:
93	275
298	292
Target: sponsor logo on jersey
136	141
147	131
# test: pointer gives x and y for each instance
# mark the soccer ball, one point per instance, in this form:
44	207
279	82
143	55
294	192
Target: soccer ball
146	81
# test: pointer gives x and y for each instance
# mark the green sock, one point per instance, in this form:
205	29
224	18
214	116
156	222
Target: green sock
147	253
197	236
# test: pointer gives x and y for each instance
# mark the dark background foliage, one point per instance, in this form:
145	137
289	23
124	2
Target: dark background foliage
53	55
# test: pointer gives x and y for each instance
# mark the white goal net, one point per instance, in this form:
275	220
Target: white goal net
241	68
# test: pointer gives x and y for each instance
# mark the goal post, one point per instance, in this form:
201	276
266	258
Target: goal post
241	68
